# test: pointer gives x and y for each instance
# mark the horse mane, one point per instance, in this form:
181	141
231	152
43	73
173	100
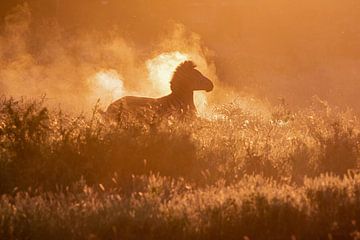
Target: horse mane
180	73
185	66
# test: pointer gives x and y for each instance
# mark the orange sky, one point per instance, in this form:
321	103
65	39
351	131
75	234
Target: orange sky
279	48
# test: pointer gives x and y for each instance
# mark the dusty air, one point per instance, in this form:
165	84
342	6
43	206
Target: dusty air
202	119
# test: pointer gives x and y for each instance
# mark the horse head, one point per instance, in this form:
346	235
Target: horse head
187	78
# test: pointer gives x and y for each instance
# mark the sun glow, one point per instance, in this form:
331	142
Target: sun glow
107	86
160	71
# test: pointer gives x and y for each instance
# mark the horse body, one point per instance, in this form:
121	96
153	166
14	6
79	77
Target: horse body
178	104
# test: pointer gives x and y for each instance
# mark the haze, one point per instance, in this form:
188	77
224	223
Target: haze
272	49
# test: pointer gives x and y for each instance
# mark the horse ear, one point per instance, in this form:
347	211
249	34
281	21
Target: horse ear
189	64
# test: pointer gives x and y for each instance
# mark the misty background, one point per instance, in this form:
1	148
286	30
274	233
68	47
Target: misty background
271	49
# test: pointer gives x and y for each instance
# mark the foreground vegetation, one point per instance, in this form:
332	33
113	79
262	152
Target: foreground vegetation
166	209
237	175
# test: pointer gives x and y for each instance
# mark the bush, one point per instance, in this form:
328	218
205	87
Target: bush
237	175
42	148
253	208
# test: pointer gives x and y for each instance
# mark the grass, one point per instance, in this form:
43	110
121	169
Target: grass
239	175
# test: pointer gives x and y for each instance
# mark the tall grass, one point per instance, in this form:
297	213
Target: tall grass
238	175
326	207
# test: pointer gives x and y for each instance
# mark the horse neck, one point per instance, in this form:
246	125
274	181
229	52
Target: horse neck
185	98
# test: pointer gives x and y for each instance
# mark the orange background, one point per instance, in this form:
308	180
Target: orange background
280	48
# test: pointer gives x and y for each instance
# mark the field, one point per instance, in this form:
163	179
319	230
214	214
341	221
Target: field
238	174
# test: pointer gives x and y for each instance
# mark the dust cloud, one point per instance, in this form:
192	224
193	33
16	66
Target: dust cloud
78	51
74	71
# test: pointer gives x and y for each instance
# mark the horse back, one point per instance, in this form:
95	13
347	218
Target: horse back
140	108
130	104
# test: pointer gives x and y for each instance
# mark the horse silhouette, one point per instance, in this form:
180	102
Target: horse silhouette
178	104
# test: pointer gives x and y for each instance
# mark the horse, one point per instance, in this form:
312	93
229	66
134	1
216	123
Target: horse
178	104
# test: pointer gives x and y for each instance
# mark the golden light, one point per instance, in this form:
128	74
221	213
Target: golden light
160	71
107	86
